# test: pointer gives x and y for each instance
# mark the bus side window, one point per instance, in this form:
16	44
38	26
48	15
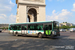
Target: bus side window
9	28
40	27
18	28
30	27
24	27
35	27
14	27
50	27
46	27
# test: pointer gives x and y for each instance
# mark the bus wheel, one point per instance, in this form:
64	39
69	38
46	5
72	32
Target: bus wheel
40	35
16	34
24	35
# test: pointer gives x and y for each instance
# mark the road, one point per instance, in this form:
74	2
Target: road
65	42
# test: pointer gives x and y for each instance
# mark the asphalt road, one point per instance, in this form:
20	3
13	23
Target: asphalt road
65	42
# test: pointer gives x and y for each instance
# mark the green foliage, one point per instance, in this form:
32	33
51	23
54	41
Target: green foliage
4	28
64	22
66	27
72	27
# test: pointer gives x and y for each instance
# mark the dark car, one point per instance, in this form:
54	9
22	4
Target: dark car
0	30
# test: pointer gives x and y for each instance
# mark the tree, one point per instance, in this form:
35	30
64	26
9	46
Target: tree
4	28
65	22
66	27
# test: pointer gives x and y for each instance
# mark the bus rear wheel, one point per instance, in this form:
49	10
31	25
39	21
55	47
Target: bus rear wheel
24	35
40	35
16	34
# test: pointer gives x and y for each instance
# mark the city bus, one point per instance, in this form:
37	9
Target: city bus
40	29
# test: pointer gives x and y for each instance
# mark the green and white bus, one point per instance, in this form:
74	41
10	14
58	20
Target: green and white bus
40	29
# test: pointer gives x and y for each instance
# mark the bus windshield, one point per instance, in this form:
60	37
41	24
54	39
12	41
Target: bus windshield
56	26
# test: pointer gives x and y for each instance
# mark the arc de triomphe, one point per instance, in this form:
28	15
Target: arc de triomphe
30	11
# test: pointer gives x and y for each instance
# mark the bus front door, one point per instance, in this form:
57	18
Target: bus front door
47	30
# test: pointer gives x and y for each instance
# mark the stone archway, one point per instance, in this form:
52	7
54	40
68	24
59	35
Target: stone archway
36	7
32	15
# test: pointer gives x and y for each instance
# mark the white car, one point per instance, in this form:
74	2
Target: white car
62	30
72	30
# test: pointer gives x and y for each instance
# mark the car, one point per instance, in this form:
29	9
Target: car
62	30
0	30
72	30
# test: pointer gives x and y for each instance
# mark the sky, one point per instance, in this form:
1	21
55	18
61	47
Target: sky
57	10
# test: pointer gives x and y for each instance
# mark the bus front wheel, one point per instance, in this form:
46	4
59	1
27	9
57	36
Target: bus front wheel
40	35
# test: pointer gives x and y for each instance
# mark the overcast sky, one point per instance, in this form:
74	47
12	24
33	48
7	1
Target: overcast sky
58	10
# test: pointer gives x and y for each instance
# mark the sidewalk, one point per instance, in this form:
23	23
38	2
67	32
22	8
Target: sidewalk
5	31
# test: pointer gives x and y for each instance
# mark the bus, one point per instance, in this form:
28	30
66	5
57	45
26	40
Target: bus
40	29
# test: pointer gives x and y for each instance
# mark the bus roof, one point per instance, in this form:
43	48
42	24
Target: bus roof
33	22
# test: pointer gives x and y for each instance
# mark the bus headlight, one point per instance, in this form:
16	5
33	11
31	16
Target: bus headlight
54	33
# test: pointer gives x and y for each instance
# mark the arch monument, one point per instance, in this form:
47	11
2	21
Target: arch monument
30	11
